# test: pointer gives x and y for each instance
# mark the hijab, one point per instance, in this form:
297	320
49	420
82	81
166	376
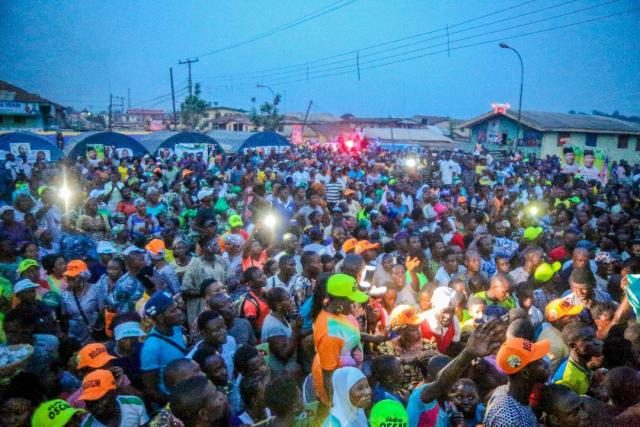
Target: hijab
342	409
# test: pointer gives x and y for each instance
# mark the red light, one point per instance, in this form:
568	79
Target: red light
349	144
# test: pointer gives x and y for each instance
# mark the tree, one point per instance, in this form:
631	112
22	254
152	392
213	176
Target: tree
193	108
267	115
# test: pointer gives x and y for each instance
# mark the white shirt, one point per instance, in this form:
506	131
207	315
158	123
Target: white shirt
448	168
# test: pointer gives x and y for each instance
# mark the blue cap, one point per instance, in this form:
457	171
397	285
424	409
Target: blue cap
158	303
585	244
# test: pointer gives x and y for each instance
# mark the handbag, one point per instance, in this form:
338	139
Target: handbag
96	331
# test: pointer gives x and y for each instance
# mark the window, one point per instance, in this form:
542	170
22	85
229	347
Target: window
623	141
563	139
591	139
19	120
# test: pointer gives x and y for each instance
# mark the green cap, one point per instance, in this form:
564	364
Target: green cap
532	233
26	264
54	413
345	286
235	221
388	413
545	271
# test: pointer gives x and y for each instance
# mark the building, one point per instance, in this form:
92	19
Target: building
546	134
142	118
20	109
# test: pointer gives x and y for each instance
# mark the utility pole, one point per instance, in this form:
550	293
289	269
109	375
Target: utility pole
189	62
306	116
173	98
128	98
110	110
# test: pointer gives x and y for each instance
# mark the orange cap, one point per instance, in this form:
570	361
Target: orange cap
364	245
516	353
156	246
349	192
404	315
96	384
349	245
93	356
75	267
559	308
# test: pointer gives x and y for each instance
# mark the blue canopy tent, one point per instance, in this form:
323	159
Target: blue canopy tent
168	143
30	144
265	141
103	141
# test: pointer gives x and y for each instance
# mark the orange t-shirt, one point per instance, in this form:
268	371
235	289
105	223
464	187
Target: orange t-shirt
250	262
251	309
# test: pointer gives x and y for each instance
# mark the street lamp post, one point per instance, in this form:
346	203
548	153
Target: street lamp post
273	95
506	46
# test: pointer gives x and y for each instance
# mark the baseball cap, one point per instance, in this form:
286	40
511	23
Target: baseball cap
364	245
516	353
349	245
156	246
462	199
343	285
545	271
132	249
26	264
96	384
75	267
23	285
93	355
349	192
557	254
158	303
404	315
559	308
5	209
235	221
105	247
54	413
388	413
186	172
128	330
532	233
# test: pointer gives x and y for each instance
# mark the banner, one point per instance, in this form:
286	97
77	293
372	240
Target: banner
183	150
296	134
98	148
589	163
21	108
23	149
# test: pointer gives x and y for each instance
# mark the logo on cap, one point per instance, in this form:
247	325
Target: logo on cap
514	361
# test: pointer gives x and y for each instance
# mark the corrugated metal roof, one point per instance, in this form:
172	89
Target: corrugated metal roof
415	135
561	122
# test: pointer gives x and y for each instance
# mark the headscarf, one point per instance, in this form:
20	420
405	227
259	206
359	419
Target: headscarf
342	409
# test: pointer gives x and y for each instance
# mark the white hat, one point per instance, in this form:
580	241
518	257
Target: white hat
128	330
23	285
5	209
105	247
205	192
132	249
443	297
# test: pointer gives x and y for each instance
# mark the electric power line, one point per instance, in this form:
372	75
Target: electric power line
305	18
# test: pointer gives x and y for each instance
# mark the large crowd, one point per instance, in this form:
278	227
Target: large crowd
319	287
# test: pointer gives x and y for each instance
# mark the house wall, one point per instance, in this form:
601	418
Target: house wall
30	122
608	142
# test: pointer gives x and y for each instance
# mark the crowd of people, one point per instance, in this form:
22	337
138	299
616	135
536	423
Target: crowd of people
315	287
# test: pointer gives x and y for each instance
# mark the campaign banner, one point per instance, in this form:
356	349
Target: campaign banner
183	150
21	108
296	134
99	150
588	163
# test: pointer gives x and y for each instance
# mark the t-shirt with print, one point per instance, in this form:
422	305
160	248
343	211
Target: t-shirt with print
425	414
159	350
132	413
505	411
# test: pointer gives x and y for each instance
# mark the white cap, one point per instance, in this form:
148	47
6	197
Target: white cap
132	249
205	192
23	285
5	209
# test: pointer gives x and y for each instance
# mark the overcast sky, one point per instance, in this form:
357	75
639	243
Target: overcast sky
78	52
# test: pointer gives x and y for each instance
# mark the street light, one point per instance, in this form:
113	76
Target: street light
273	94
503	45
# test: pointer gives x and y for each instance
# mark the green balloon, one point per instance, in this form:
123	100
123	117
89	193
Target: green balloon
388	413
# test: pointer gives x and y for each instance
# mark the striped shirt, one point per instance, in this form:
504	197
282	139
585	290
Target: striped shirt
333	192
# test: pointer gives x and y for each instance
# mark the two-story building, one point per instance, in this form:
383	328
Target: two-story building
545	134
22	110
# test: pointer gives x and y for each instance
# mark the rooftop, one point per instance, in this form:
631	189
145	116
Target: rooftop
9	92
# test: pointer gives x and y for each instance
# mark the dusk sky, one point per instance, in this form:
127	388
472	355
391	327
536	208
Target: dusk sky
78	52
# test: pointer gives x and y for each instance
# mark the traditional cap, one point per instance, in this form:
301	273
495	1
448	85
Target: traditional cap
545	271
94	355
54	413
24	285
516	353
96	384
364	245
75	267
158	303
128	330
235	221
26	264
345	286
559	308
388	413
349	245
404	315
532	233
105	247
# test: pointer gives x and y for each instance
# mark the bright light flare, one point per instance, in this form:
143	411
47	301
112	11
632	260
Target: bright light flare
533	211
349	144
65	193
270	221
411	163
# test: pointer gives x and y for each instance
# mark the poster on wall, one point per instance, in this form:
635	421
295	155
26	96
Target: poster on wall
124	153
22	150
99	150
494	133
296	134
587	162
183	150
